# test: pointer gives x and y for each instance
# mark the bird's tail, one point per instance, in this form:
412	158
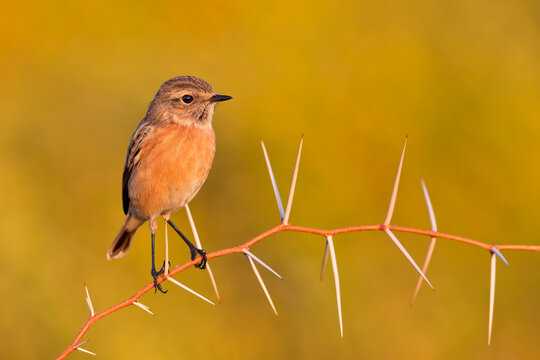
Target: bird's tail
121	243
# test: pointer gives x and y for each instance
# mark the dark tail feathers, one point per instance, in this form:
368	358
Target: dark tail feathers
121	243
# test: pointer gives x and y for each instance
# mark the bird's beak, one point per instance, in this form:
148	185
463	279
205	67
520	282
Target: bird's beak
217	98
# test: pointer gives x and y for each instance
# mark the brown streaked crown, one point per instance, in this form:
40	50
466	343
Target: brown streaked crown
187	82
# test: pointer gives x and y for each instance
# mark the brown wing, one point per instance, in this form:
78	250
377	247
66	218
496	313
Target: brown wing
132	159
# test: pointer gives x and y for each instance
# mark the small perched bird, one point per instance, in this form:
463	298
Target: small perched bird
168	160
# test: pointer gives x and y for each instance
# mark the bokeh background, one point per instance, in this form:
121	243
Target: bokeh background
460	78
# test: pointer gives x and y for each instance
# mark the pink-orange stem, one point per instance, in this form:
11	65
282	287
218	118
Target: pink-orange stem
279	228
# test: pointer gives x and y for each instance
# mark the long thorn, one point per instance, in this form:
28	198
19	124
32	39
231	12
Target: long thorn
406	253
166	262
144	307
336	279
432	219
199	245
248	253
432	243
89	302
81	344
273	180
499	254
395	189
425	265
78	347
259	278
293	184
213	280
491	295
86	351
324	260
189	290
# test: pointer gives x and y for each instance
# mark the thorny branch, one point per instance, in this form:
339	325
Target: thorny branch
328	235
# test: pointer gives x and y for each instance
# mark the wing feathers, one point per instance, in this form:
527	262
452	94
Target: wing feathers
132	159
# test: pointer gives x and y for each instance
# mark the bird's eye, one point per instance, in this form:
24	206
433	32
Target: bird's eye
187	99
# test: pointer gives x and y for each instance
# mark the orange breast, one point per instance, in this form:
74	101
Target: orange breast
175	161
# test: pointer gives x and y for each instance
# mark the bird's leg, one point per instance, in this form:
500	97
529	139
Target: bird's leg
155	274
194	250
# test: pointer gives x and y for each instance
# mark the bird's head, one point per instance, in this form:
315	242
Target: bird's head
185	100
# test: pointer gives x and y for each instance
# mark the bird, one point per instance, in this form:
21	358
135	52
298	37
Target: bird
168	160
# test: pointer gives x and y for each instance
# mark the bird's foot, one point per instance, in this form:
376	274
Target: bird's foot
194	253
162	270
155	274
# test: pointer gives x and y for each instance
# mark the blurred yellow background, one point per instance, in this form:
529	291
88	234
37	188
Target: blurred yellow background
460	78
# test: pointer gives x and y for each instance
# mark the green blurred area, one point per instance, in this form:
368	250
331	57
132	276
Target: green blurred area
460	78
